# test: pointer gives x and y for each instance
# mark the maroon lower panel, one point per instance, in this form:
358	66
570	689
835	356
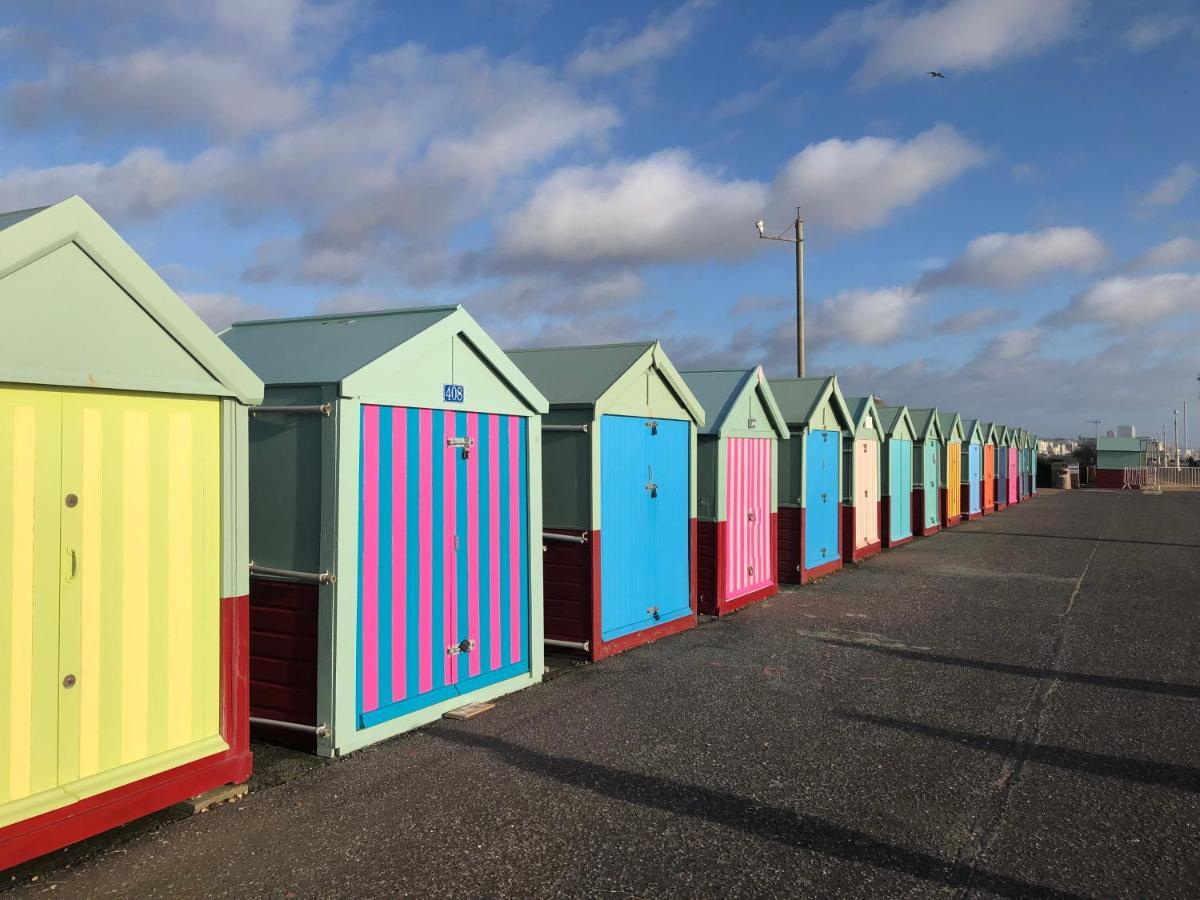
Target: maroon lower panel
283	659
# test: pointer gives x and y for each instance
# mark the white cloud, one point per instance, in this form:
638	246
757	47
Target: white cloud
141	185
1010	261
220	310
1171	188
966	35
847	29
1129	301
161	88
1180	251
1150	31
850	186
868	317
661	208
744	102
607	53
955	36
969	320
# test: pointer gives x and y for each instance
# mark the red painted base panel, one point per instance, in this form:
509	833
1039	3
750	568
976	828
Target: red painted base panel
1110	478
50	831
573	595
711	597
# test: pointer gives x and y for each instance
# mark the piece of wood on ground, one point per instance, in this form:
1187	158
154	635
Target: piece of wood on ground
207	800
469	711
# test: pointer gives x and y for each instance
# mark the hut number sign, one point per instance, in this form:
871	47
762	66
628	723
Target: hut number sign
452	393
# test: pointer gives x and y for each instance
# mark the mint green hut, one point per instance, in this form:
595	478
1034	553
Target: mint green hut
927	461
896	506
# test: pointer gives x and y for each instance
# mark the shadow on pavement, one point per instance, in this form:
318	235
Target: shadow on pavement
1067	537
1110	681
1128	769
783	826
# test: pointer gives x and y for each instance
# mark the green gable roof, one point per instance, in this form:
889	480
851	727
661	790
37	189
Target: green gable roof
19	215
800	398
719	391
587	375
896	422
578	376
951	426
860	408
326	349
356	350
927	423
79	307
972	432
988	430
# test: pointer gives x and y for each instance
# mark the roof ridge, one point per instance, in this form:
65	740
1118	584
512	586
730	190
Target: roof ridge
449	307
584	347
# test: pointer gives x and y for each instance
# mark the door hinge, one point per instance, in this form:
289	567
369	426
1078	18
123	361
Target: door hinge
652	425
466	645
652	611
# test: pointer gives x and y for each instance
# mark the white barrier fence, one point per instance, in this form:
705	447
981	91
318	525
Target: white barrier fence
1162	478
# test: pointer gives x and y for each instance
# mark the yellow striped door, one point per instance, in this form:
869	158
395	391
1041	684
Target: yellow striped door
953	479
141	612
30	680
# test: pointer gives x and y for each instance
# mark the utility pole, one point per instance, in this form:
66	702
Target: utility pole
1177	439
798	240
1096	422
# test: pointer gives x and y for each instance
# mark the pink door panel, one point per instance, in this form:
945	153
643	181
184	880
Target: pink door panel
748	516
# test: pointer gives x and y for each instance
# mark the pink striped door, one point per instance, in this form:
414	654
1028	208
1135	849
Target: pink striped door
748	516
443	556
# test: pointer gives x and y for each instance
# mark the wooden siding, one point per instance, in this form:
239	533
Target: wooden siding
283	658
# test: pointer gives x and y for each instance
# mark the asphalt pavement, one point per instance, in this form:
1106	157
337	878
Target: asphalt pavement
1010	708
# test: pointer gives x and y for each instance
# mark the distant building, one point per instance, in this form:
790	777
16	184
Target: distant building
1110	433
1126	431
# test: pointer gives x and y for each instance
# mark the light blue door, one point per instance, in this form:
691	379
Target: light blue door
644	550
974	477
822	490
930	485
900	489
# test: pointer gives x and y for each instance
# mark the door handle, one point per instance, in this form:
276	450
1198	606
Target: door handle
73	564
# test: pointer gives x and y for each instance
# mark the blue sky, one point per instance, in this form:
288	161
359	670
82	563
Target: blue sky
1019	240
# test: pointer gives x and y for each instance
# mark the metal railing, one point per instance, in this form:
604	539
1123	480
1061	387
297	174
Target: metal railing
1162	478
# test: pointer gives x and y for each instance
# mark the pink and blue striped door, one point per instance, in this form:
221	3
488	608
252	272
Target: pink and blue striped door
443	557
748	516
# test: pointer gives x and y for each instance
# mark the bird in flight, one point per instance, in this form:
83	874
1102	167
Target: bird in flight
935	75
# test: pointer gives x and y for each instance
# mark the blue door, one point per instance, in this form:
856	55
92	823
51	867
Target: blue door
644	549
900	489
974	476
822	490
930	484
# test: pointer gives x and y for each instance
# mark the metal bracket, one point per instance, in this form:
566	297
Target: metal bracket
652	425
324	409
325	577
466	645
464	442
653	612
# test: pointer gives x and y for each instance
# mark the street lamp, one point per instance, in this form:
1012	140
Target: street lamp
798	240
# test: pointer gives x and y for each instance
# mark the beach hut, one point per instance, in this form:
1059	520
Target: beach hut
736	483
861	481
1033	464
950	480
928	451
619	495
1014	478
988	491
1003	436
123	614
810	477
395	523
899	474
1027	464
1114	456
971	504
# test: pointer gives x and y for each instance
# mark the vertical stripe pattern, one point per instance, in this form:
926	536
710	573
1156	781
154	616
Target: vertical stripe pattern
748	516
443	556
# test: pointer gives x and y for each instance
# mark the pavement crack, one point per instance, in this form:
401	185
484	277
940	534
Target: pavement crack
1021	745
